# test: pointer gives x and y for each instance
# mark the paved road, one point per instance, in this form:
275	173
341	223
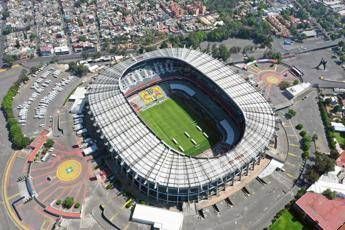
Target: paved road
6	80
2	41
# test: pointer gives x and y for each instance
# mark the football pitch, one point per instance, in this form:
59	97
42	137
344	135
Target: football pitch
175	122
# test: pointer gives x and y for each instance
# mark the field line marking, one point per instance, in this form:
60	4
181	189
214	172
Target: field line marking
290	175
292	154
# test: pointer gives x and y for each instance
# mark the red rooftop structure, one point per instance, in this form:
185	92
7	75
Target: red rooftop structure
341	160
321	212
37	144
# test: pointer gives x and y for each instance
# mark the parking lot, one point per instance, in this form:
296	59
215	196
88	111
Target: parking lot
39	99
308	114
252	208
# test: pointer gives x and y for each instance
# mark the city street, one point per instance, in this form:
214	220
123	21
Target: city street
2	40
6	80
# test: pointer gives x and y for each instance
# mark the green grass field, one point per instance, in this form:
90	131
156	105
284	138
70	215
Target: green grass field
340	138
286	222
171	118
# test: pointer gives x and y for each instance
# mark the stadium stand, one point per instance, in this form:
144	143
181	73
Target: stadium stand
151	94
184	88
157	170
229	132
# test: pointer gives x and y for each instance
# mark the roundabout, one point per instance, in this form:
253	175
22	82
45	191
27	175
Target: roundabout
270	77
68	170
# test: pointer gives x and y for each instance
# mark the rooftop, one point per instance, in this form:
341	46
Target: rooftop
341	160
329	214
158	217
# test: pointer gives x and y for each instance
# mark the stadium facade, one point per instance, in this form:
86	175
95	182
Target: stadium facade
156	169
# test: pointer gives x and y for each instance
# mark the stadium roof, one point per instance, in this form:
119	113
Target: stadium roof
148	156
329	214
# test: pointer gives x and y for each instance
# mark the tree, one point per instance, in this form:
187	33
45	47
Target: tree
328	101
16	136
250	59
273	55
305	155
5	14
10	59
306	143
329	194
215	51
77	69
342	58
33	36
82	38
314	137
300	193
223	52
33	69
235	50
303	133
77	205
312	175
283	85
58	202
164	45
336	109
323	163
299	126
295	82
291	113
341	43
7	30
68	202
23	77
49	143
327	123
334	154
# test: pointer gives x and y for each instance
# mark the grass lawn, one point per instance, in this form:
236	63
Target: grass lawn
171	118
340	138
286	222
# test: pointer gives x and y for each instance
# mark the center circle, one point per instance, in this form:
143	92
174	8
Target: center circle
272	80
68	170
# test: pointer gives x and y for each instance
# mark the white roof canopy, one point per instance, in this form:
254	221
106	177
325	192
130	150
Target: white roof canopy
160	218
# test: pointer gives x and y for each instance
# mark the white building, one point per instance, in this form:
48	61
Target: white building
157	217
79	100
298	89
335	181
310	33
339	127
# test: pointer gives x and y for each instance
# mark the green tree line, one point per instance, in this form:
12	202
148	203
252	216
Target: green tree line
16	136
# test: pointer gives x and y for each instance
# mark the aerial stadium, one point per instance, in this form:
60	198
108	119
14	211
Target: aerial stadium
180	124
